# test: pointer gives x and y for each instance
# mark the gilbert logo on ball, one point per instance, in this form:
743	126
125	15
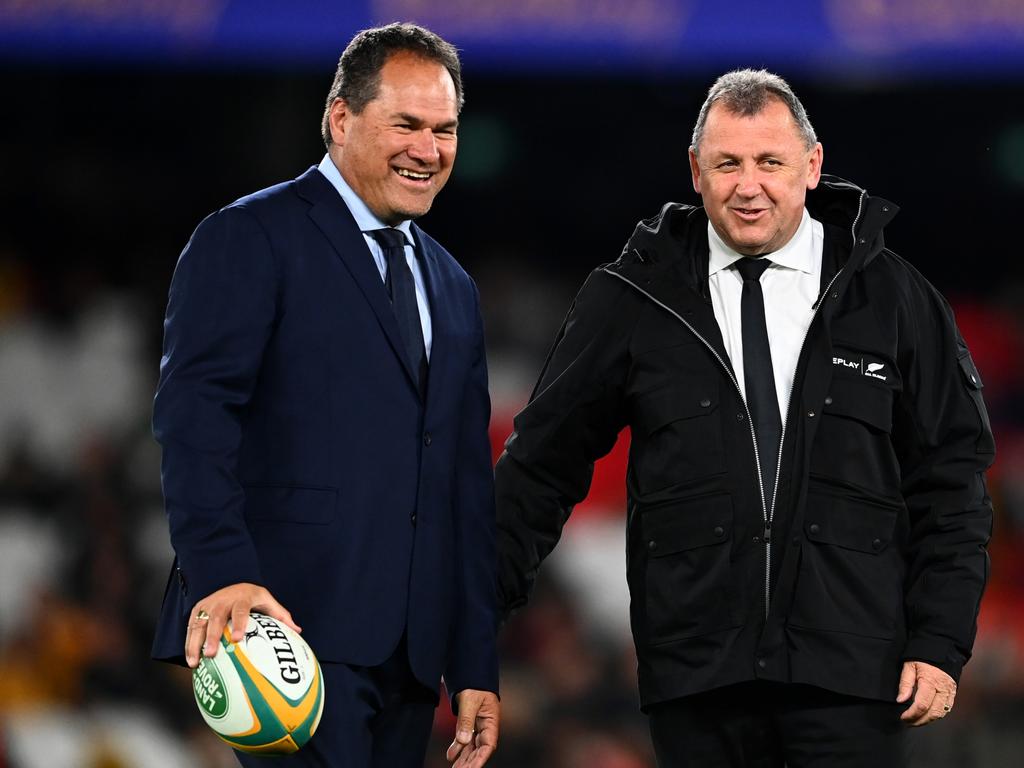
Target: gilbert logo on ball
263	695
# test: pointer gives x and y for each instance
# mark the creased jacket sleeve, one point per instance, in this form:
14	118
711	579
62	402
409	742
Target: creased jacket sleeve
572	419
945	444
474	657
220	313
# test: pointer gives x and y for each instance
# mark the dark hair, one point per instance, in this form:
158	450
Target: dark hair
357	78
746	92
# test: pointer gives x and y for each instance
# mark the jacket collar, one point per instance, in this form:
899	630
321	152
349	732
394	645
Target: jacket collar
667	256
678	234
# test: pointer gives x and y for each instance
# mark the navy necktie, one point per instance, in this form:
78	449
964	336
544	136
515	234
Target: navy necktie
758	374
402	290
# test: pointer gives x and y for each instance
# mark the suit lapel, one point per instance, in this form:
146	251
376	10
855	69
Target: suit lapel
441	320
332	217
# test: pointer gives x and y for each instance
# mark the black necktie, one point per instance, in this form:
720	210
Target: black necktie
402	291
758	375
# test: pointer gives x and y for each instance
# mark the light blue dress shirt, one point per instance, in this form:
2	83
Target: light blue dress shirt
367	222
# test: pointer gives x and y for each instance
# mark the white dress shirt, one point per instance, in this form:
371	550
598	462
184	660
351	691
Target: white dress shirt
367	222
790	287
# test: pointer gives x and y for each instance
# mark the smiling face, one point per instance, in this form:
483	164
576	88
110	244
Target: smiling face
753	174
398	152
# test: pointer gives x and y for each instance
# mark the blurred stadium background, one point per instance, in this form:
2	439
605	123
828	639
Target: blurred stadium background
124	123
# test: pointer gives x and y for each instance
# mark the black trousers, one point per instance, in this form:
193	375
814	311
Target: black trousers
374	717
771	725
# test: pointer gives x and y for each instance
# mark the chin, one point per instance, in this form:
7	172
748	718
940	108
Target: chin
412	213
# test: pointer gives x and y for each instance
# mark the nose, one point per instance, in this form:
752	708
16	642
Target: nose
748	182
423	146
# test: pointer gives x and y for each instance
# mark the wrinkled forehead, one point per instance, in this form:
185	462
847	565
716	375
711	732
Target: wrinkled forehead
772	124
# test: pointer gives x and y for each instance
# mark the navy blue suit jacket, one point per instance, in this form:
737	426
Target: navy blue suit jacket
298	454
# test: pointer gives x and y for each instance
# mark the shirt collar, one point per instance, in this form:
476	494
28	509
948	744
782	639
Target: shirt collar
365	218
797	254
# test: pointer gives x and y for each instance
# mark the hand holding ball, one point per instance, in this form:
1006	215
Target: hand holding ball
263	695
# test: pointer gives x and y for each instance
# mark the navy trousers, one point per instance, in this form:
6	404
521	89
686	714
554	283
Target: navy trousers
374	717
772	725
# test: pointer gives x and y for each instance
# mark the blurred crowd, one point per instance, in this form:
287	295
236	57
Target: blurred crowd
84	553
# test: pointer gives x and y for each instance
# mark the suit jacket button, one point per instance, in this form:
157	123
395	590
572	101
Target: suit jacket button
705	403
828	400
412	518
427	439
719	531
815	528
652	545
876	544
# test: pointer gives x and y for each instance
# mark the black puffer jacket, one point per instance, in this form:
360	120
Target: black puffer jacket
873	550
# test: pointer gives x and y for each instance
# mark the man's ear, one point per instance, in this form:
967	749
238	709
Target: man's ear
814	166
338	121
695	170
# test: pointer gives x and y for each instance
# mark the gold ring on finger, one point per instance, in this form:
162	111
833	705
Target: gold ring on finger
946	707
202	615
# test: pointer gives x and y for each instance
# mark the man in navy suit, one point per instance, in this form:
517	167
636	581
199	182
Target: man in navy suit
323	414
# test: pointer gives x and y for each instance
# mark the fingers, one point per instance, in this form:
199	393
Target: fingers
455	751
934	694
469	705
485	743
476	731
195	635
923	703
239	621
474	756
907	679
232	603
214	630
265	603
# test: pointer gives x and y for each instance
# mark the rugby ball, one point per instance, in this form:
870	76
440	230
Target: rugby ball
264	694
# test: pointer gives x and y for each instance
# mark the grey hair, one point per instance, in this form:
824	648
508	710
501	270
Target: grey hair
746	92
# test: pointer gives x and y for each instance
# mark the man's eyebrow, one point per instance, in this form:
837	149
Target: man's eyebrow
417	122
722	154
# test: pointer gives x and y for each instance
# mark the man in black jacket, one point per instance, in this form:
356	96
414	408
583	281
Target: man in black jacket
807	516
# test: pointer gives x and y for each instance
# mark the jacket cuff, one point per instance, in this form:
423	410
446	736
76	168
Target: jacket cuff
938	653
452	694
481	676
197	579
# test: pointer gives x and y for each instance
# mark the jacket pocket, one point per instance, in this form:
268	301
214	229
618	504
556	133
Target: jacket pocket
870	404
688	574
851	568
290	503
972	379
853	443
676	436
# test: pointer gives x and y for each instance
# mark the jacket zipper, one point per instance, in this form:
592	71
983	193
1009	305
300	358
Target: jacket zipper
768	512
770	515
732	378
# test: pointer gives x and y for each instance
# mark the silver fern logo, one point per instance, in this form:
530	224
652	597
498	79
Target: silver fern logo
874	370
